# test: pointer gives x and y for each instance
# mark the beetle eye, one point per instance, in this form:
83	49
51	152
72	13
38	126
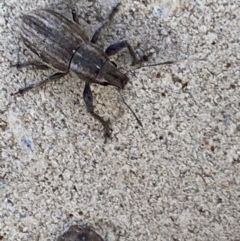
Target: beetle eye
113	63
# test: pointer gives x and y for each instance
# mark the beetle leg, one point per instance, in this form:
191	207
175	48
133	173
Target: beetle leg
110	17
75	16
40	83
87	96
74	11
115	48
31	64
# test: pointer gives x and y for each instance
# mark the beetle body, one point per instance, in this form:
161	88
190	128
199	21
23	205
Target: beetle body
62	45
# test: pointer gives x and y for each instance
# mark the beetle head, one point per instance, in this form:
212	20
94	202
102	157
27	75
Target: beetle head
110	75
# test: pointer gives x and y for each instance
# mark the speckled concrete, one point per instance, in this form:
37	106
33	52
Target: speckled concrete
177	178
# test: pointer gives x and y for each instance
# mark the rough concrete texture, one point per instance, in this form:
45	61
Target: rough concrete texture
177	178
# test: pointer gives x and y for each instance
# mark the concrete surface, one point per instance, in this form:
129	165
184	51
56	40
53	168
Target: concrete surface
177	178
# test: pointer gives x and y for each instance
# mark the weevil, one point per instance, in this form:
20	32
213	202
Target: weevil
79	233
63	46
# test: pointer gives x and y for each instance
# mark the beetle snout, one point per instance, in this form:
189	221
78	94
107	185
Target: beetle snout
110	75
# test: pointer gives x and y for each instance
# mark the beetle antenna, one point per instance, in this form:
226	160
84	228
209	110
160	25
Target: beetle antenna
124	102
155	64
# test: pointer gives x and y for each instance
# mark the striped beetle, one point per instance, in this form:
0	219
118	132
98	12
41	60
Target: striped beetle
63	46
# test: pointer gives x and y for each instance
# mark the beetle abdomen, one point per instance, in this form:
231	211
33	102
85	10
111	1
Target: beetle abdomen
52	37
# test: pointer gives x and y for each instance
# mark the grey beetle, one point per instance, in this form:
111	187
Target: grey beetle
63	46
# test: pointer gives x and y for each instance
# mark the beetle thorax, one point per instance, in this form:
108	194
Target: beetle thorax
93	65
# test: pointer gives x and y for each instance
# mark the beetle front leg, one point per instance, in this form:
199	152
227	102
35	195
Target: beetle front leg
40	83
87	96
115	48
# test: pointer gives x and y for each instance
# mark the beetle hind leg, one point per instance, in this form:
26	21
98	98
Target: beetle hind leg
87	96
33	65
40	83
